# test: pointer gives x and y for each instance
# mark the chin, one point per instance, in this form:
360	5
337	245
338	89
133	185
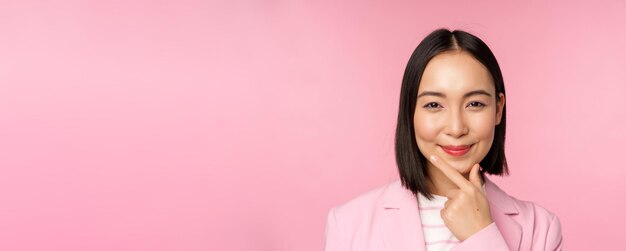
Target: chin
464	169
463	166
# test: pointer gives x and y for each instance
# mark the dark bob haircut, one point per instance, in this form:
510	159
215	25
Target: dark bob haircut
411	162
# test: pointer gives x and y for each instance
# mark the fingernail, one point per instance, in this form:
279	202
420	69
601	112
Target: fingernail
433	158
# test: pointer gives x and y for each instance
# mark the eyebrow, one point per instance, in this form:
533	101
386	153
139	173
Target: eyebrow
469	94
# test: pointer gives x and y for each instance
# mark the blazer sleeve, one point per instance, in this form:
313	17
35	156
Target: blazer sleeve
332	240
554	239
488	238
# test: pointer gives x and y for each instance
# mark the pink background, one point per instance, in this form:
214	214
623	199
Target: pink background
188	125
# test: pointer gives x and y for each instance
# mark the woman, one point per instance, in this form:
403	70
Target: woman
450	132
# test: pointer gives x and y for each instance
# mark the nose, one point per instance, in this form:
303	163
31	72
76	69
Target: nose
456	125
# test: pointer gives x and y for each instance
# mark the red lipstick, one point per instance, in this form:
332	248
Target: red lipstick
456	150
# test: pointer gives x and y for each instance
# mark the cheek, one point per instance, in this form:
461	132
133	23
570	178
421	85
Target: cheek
483	128
426	130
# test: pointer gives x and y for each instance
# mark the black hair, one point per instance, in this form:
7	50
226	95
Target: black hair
410	161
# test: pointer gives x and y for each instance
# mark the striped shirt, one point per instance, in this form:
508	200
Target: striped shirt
437	236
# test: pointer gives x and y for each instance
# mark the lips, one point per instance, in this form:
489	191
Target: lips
456	151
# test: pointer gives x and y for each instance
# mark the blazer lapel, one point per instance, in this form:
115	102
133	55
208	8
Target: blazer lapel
502	209
401	226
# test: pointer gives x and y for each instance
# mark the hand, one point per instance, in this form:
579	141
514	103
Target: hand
467	209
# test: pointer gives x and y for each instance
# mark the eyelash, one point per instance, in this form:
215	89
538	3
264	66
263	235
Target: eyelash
427	106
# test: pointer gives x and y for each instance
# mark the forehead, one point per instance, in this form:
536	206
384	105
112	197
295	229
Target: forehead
455	72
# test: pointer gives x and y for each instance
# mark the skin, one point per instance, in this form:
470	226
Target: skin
446	115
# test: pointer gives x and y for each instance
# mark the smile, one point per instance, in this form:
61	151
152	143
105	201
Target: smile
457	150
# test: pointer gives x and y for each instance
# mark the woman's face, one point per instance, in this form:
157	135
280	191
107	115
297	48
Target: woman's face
456	112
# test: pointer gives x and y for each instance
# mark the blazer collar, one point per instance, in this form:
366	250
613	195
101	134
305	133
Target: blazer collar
499	198
401	197
402	227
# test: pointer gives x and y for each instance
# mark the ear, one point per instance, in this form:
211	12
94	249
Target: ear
500	107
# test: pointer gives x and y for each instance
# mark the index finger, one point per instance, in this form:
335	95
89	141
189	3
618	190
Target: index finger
451	173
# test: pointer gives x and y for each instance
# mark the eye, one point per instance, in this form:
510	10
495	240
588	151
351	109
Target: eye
476	104
432	105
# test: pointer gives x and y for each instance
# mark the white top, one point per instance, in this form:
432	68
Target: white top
437	236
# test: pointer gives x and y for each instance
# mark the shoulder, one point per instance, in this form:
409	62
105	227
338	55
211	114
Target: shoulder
368	201
540	213
366	206
539	222
542	219
530	210
351	225
524	209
